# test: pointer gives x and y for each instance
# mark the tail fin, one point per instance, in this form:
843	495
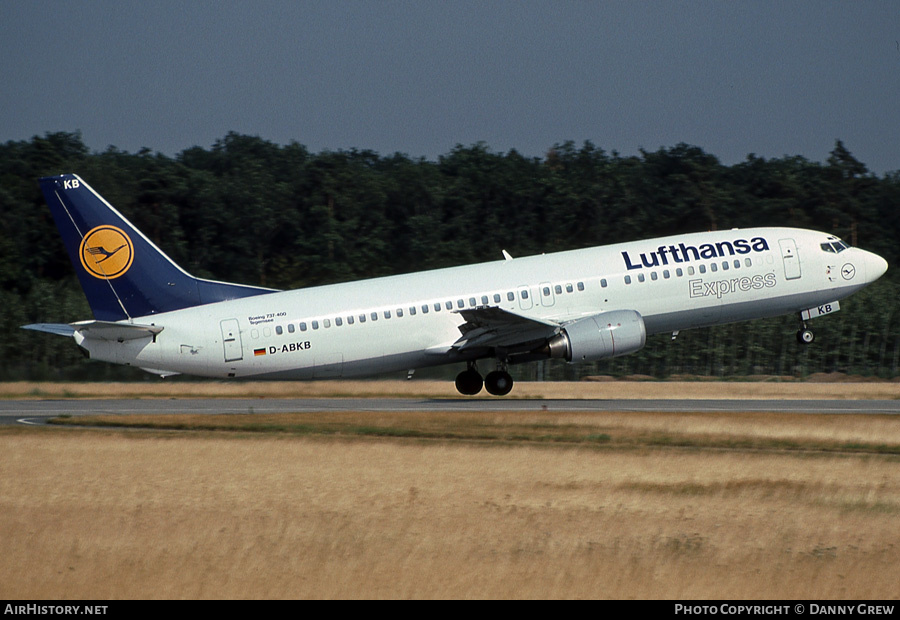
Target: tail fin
123	274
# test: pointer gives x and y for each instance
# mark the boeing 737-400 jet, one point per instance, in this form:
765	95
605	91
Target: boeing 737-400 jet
579	305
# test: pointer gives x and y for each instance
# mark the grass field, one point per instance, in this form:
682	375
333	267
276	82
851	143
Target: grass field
406	505
825	389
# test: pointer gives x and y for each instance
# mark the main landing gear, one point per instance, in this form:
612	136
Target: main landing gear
498	382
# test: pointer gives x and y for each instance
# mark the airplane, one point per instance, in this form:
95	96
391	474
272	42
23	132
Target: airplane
578	305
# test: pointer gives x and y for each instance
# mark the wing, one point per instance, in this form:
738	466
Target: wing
487	326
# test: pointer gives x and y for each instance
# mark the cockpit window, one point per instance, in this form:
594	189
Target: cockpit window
835	247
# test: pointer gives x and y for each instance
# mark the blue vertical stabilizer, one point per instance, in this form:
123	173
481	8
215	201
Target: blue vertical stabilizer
123	274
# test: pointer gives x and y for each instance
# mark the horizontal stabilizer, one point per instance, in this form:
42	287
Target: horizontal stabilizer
107	330
60	329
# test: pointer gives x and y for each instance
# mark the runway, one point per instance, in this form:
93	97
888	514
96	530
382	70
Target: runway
39	411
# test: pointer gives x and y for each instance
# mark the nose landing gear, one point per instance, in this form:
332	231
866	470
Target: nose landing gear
805	335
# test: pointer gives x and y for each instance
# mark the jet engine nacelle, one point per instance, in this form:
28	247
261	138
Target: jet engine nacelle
600	336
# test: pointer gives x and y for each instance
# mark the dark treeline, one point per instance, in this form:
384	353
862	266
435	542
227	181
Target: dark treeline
247	210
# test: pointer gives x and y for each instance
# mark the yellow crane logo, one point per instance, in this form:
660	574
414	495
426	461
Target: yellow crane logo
106	252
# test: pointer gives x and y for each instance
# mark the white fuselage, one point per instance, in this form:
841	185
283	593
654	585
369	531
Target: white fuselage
412	321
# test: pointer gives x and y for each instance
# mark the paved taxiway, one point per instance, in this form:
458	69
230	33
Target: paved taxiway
38	411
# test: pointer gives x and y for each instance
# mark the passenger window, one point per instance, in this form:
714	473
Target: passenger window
737	264
702	268
581	286
412	311
627	279
449	305
666	274
713	267
290	328
679	271
653	276
691	271
460	303
496	298
510	296
641	277
524	294
362	318
603	282
315	325
546	291
569	288
338	322
724	265
374	316
254	333
279	329
303	327
425	309
437	306
472	301
399	313
387	314
350	320
557	289
326	323
748	262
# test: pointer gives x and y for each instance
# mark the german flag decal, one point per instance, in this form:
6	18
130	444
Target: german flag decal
257	352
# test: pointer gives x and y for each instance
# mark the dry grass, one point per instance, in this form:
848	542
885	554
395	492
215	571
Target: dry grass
445	389
747	431
135	514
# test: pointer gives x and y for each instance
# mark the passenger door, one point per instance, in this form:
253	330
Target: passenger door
791	259
231	340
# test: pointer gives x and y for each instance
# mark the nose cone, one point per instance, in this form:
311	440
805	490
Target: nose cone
875	266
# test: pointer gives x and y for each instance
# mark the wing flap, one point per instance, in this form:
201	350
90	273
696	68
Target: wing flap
488	326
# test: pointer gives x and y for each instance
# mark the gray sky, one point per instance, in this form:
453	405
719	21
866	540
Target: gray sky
771	78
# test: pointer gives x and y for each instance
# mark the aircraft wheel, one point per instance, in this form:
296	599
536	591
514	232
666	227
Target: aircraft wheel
498	383
469	382
805	336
